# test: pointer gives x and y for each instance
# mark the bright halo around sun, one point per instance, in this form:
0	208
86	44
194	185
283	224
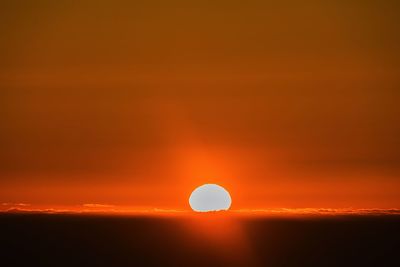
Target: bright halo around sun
210	197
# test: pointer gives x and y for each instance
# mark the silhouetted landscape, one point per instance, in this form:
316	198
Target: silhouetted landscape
87	240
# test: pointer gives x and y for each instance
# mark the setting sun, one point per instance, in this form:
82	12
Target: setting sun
210	197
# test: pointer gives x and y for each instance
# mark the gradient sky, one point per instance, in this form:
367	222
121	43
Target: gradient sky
289	104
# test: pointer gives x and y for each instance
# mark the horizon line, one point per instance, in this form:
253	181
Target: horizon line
106	209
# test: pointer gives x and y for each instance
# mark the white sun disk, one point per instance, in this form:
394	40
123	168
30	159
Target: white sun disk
210	197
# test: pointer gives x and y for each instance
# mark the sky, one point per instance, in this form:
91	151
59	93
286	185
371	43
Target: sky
288	104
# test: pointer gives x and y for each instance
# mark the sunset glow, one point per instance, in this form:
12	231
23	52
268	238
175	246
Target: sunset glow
134	105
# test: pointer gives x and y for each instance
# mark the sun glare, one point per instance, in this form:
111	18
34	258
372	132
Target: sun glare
210	197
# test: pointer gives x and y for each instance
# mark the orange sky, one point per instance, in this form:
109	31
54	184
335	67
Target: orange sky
291	104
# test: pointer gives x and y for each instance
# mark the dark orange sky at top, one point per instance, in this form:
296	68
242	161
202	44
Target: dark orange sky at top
292	104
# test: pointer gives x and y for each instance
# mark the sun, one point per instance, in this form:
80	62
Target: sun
210	197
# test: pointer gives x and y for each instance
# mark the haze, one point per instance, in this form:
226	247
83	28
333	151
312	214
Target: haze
290	104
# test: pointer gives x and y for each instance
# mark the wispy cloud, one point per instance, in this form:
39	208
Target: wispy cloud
37	211
95	208
321	211
15	204
97	205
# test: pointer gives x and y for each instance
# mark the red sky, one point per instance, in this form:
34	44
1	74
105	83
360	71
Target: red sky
291	104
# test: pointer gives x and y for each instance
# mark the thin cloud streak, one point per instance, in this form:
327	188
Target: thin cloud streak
96	205
95	208
15	204
321	211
